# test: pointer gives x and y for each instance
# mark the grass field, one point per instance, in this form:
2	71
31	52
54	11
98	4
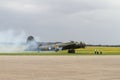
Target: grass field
86	51
105	50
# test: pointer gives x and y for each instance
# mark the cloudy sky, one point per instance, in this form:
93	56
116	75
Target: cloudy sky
91	21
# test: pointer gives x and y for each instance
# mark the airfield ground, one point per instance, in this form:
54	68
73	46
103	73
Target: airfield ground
87	51
60	67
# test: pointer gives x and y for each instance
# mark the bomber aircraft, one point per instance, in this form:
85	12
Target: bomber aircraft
33	45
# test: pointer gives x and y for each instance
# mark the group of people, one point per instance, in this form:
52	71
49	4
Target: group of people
98	51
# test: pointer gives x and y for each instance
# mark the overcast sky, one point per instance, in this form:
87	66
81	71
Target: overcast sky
91	21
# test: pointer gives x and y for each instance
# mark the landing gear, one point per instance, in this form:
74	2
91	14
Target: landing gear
71	51
56	50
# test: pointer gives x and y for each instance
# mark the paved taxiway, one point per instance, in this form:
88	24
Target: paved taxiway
59	67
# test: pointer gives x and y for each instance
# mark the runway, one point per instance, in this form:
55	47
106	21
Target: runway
60	67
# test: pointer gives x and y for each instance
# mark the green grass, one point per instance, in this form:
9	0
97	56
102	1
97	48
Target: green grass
105	50
86	51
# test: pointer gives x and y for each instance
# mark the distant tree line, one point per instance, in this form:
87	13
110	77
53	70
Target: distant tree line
103	45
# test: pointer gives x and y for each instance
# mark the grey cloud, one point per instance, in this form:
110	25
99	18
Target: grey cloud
91	21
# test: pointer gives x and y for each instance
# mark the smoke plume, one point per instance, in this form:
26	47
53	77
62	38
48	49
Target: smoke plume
12	41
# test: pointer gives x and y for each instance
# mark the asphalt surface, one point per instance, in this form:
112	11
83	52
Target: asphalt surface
59	67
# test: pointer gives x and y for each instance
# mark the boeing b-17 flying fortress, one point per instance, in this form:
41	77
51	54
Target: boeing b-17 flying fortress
33	45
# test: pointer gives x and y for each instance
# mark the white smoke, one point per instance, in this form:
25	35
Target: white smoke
12	41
